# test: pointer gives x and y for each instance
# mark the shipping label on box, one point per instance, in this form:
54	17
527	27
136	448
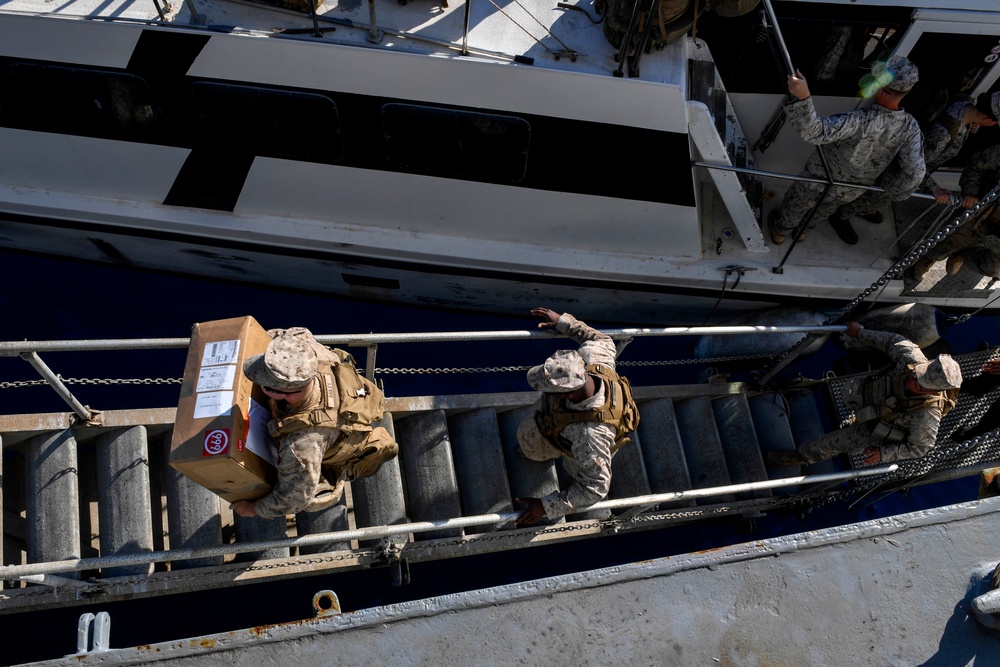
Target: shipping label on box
220	437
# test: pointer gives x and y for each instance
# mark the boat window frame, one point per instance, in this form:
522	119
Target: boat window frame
944	21
404	129
326	145
65	80
960	23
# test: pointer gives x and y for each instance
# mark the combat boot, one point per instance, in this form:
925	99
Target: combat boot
921	267
784	459
875	218
772	221
954	265
843	227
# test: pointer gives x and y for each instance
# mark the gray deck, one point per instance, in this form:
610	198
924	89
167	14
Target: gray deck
895	591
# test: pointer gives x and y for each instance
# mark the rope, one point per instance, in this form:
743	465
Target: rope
547	31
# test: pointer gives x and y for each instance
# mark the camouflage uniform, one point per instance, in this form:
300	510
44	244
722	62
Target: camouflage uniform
592	442
920	424
874	145
978	240
313	461
940	146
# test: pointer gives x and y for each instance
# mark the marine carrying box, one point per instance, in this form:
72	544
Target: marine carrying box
220	435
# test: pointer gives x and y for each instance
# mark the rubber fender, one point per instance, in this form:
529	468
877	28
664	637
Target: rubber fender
729	345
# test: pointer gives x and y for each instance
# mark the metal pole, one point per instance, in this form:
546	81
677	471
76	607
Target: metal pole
803	179
375	532
374	35
19	348
465	31
81	411
790	67
370	361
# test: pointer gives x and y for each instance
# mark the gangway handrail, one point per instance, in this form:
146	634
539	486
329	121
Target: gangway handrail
17	348
375	532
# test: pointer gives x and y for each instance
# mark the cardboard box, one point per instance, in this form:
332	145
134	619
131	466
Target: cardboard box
219	438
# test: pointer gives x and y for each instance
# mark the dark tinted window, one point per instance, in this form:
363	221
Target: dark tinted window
970	58
270	122
459	144
833	45
95	103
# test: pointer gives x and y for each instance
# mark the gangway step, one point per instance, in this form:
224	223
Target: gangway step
458	458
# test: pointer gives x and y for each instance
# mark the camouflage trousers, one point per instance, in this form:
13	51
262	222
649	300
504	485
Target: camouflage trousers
870	202
849	440
800	199
976	241
537	447
534	445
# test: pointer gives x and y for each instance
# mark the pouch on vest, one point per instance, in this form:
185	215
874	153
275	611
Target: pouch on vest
361	400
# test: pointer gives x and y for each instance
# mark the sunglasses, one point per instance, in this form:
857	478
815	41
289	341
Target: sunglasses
283	392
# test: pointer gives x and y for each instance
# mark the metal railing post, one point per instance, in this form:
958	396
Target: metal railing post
81	410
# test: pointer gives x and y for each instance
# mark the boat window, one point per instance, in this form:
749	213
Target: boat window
270	122
96	103
458	144
833	46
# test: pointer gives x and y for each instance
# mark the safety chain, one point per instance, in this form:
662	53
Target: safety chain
17	384
897	269
915	253
446	371
93	381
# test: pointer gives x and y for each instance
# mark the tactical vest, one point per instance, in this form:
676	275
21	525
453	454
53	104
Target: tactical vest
349	401
885	400
618	411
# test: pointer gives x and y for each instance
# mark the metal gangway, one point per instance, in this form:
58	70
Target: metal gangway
93	512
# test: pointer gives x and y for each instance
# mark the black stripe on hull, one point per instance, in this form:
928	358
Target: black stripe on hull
564	155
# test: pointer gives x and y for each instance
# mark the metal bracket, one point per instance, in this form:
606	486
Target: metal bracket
93	633
391	554
400	573
325	604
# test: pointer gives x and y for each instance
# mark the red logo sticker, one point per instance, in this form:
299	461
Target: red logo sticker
216	442
239	445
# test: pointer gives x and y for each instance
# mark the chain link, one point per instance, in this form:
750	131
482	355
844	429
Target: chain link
18	384
915	253
897	269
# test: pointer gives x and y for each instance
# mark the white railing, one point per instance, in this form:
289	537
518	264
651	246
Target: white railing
376	532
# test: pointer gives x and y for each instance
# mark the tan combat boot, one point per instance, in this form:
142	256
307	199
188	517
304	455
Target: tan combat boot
921	267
